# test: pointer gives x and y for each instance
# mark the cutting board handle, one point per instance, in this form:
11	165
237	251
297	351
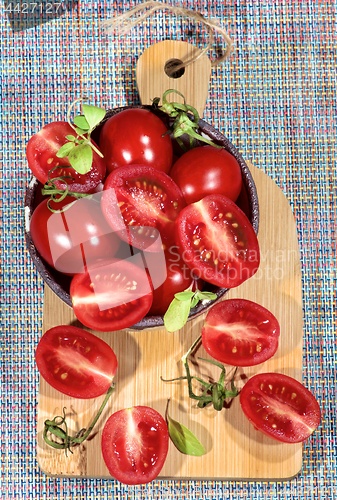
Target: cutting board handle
155	73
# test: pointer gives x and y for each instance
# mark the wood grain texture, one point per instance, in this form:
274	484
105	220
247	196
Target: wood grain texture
152	80
234	449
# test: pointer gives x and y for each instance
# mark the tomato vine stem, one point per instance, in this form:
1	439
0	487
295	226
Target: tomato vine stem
215	393
186	119
58	437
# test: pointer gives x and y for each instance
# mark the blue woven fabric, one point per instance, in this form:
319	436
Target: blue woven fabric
275	99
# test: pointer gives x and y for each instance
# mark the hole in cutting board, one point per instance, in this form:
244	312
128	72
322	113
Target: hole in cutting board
170	70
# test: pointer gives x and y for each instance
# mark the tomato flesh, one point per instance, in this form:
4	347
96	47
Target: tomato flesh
138	195
206	170
280	406
135	444
75	362
112	296
42	160
240	332
134	136
217	241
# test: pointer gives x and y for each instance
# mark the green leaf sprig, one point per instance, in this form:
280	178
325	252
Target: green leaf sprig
179	309
213	393
186	119
183	439
55	432
79	149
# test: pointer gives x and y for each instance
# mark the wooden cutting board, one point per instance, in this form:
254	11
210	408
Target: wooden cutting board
235	450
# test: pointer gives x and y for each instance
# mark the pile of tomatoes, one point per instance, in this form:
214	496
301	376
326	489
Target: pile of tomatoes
146	195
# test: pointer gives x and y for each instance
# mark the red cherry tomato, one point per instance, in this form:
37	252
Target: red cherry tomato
75	237
178	278
42	160
240	332
280	407
135	444
136	136
217	241
112	296
75	362
138	195
207	170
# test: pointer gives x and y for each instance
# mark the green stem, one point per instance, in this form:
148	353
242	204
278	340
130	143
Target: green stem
85	139
65	441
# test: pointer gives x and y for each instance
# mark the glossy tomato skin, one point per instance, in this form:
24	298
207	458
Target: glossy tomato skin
240	332
178	278
135	444
217	241
207	170
280	407
75	236
138	195
41	155
75	362
111	296
136	136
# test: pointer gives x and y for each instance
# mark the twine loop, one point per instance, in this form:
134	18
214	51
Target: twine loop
125	22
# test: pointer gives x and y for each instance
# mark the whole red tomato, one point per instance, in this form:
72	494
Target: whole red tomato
207	170
178	278
136	136
71	239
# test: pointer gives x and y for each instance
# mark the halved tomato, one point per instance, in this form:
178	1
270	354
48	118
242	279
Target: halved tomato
141	197
42	160
75	362
240	332
113	295
280	406
135	444
217	241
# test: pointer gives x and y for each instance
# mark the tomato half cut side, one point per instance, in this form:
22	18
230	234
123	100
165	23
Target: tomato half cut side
240	332
113	295
42	160
217	241
280	407
135	444
75	362
138	196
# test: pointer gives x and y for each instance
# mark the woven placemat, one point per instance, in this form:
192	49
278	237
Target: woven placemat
275	99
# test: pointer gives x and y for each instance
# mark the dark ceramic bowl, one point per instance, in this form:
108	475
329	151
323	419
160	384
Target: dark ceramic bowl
59	283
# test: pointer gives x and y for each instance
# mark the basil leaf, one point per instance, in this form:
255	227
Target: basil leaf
186	295
183	439
93	115
81	122
71	138
205	295
80	158
177	314
194	302
65	149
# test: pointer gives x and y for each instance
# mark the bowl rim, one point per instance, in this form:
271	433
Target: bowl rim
49	275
